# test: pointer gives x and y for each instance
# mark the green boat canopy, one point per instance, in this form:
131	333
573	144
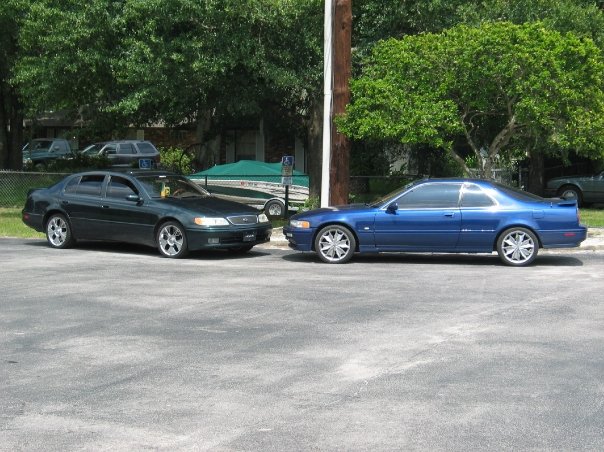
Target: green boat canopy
250	170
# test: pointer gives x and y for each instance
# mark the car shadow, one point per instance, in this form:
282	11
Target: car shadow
553	260
128	248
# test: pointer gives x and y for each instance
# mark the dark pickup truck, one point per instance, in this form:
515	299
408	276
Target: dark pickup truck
40	152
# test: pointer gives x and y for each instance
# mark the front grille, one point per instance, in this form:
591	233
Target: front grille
243	219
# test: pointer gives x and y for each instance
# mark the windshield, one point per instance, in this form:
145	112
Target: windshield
169	186
392	195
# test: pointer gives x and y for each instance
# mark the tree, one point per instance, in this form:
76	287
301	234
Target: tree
500	85
11	106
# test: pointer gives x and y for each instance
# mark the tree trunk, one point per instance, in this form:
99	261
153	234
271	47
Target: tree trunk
4	141
314	148
536	172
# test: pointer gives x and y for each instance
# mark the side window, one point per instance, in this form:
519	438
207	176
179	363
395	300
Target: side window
119	188
91	185
126	148
146	148
72	186
431	196
473	196
110	149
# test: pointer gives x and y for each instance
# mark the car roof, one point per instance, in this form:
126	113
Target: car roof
129	171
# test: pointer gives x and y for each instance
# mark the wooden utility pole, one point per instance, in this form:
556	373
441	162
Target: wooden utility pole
339	170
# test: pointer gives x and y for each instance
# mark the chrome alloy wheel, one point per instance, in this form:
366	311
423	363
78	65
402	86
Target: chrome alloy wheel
517	247
57	231
335	244
171	240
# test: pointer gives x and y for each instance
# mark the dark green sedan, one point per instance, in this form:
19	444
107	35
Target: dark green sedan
154	208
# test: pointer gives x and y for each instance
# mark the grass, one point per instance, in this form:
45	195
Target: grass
12	226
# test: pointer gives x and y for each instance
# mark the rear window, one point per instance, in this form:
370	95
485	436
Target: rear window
517	193
146	148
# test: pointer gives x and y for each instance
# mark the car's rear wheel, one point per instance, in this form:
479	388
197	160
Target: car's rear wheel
517	247
58	231
172	240
571	192
335	244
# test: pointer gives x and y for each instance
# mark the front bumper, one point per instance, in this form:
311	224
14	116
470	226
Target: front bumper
299	239
212	238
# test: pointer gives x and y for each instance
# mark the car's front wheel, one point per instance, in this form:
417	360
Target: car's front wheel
172	240
517	247
335	244
58	231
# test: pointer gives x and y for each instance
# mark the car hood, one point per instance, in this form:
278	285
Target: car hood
211	206
323	210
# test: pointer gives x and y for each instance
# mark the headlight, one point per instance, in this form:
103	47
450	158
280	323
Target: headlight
262	218
208	221
301	224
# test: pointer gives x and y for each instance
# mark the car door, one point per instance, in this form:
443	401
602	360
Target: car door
126	219
82	202
593	188
480	219
425	218
126	154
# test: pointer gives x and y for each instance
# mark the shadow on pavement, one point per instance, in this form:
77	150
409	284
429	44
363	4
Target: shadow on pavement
432	259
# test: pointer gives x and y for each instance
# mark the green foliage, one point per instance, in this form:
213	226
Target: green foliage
503	86
176	160
312	202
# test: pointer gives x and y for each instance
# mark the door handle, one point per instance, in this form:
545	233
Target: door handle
450	214
105	207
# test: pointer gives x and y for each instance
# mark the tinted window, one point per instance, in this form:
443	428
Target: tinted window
110	149
120	188
126	148
90	185
146	148
436	195
72	185
473	196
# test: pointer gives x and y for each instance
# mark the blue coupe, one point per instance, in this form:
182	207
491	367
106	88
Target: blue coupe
443	216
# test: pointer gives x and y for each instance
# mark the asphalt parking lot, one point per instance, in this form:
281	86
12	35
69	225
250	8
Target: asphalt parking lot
111	347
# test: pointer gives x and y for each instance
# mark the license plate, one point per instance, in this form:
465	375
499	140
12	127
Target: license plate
249	237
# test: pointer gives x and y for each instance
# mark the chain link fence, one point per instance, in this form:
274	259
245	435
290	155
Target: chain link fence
14	185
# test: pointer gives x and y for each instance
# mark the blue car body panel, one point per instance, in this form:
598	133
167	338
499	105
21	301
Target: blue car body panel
468	229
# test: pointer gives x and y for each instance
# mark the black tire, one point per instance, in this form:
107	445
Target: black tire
274	209
571	192
335	244
171	240
58	232
517	247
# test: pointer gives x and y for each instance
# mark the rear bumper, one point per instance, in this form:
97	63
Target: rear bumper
33	220
563	238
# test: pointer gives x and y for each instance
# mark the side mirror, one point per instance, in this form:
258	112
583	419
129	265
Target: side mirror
392	208
133	198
